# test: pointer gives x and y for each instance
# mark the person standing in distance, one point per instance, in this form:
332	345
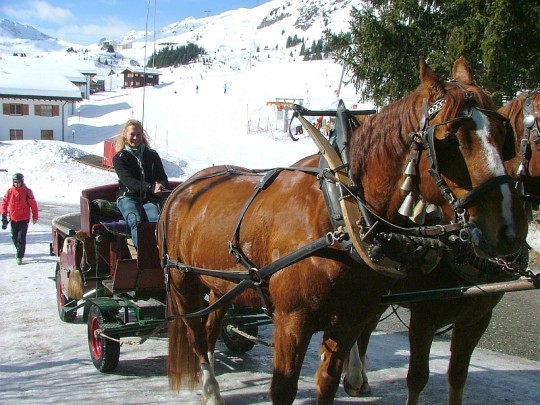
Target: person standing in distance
141	177
20	204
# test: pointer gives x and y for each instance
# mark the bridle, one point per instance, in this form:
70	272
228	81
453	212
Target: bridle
424	139
530	123
530	130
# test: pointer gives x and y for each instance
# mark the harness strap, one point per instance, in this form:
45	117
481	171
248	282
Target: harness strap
249	279
268	178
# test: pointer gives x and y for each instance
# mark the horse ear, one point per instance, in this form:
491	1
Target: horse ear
462	71
427	76
431	81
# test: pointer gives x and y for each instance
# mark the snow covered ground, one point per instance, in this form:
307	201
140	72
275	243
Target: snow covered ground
46	361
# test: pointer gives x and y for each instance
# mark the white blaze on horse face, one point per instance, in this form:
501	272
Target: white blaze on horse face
495	164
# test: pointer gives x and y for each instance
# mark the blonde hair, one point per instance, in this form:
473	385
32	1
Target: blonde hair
121	139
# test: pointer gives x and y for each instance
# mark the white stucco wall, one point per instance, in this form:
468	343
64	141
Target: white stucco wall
32	124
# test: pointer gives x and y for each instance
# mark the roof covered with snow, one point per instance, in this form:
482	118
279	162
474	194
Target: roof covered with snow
28	77
142	70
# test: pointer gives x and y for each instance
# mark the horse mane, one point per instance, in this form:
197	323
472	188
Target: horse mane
381	134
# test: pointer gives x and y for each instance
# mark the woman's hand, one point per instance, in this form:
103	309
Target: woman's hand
158	188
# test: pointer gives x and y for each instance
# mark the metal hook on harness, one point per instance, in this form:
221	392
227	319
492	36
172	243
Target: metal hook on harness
336	236
465	235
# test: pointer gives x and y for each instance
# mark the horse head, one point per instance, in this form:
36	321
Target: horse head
523	113
451	145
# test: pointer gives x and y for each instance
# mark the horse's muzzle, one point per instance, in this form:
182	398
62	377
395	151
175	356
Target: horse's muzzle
503	243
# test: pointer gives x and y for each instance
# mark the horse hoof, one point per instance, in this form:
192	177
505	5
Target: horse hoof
351	391
212	401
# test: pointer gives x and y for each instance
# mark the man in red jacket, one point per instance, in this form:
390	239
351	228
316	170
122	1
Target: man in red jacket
19	202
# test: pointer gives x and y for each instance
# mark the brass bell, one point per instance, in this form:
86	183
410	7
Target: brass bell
521	171
408	184
434	211
410	170
407	206
419	213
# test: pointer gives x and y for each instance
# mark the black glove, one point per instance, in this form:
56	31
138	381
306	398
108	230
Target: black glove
5	221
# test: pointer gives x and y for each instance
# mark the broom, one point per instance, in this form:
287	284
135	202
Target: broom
75	284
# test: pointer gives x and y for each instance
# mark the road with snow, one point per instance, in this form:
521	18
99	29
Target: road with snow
43	360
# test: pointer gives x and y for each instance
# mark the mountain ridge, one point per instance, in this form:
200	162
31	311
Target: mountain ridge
15	30
275	19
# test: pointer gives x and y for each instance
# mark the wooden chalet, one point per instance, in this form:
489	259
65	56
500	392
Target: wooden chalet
135	76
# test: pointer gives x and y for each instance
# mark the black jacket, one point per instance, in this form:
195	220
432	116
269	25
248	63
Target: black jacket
129	172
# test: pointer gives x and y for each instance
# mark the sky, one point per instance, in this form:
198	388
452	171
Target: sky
85	22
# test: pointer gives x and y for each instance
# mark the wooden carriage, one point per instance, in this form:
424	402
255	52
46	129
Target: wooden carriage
121	290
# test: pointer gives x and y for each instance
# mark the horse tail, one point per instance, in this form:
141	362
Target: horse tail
183	367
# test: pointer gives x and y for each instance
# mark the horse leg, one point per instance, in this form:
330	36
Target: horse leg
421	334
354	372
465	337
334	349
355	380
213	328
291	340
188	347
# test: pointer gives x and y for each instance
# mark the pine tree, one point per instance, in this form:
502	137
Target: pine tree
499	38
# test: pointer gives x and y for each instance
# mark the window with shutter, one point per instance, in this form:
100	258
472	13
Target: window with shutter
15	109
46	110
15	134
47	135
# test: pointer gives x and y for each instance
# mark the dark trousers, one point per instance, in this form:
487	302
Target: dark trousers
18	235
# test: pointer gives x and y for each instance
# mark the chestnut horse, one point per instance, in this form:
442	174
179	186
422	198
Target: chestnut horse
226	222
469	317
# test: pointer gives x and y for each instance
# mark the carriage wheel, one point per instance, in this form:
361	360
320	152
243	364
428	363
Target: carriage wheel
238	343
62	300
104	352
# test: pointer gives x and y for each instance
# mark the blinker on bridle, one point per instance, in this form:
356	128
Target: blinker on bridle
530	130
424	139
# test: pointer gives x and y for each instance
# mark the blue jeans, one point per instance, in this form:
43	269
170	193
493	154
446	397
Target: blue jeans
129	207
